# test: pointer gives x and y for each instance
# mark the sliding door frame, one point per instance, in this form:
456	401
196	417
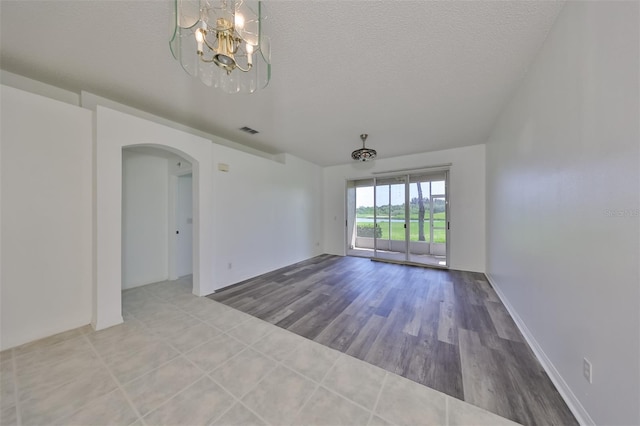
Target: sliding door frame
406	175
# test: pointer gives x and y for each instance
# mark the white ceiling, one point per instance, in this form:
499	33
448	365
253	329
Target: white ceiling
416	75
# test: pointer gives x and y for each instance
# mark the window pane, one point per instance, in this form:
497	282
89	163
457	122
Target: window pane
437	187
364	211
419	211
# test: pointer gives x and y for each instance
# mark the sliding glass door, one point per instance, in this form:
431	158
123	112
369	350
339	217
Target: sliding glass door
400	218
428	236
391	219
361	223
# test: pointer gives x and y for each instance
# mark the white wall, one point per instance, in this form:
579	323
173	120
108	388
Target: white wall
36	87
59	272
466	199
268	213
46	217
228	225
114	131
145	228
562	212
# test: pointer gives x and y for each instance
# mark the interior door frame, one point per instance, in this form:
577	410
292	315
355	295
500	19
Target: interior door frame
448	216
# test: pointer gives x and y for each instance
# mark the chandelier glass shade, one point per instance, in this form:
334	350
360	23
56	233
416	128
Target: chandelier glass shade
222	43
364	154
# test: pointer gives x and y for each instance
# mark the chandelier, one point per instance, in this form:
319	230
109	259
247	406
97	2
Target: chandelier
364	154
222	43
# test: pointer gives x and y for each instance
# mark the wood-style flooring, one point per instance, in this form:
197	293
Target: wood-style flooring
444	329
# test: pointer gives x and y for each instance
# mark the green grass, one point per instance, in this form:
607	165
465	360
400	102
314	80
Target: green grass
397	230
414	216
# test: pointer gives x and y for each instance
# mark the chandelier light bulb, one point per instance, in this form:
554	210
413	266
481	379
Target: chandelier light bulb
249	48
239	21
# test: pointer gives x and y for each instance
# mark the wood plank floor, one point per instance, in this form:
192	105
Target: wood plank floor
444	329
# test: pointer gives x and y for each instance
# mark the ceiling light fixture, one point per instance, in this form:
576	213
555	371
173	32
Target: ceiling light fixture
364	154
222	43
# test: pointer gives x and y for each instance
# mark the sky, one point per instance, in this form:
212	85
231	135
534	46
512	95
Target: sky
364	195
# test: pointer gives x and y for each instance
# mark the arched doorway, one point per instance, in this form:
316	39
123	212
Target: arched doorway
115	131
157	216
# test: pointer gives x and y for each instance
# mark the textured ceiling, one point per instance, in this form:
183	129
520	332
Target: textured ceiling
416	75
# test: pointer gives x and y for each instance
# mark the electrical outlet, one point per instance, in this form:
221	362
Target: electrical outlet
587	370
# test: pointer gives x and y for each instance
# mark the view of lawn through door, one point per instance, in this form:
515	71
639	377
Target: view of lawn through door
408	222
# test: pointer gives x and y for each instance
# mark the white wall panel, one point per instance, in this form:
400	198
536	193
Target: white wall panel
269	214
563	227
46	217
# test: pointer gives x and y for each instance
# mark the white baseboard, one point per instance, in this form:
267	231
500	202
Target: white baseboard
582	416
106	322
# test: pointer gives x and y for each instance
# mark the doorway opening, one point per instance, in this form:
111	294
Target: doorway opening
182	228
157	216
401	218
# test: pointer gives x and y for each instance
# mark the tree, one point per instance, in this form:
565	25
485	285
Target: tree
420	213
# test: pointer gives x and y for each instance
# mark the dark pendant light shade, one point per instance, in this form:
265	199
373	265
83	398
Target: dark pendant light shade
364	154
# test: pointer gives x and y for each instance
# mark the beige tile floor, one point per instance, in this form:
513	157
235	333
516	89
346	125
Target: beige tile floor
183	360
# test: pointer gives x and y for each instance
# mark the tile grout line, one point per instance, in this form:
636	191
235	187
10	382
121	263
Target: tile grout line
113	377
278	362
253	412
324	377
446	410
370	410
166	340
318	383
239	399
271	356
181	309
225	411
227	361
306	401
14	372
180	355
203	377
318	386
80	336
246	347
422	384
255	386
148	293
375	405
223	363
91	350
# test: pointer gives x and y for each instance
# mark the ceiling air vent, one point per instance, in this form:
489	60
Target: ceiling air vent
248	130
